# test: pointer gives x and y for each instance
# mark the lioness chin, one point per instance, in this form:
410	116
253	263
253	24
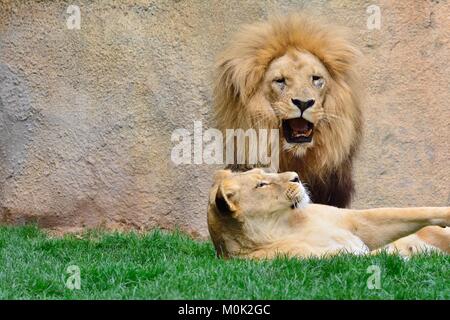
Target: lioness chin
255	214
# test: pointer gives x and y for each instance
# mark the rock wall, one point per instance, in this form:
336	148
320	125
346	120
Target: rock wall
86	115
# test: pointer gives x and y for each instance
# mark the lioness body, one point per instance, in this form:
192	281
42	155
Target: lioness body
261	215
313	231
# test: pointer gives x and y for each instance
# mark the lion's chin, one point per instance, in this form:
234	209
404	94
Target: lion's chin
297	150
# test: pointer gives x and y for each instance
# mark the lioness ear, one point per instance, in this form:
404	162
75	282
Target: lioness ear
223	202
219	175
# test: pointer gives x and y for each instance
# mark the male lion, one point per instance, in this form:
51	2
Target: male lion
255	214
296	75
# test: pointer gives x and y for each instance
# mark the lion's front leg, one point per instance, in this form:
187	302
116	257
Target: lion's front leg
378	227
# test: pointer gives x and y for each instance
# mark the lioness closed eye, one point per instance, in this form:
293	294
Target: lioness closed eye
255	214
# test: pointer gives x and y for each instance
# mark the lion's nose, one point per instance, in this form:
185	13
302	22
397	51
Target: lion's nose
295	179
303	105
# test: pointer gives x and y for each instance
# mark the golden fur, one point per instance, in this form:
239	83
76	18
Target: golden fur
244	96
430	238
255	214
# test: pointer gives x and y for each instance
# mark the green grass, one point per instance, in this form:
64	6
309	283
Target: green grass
172	266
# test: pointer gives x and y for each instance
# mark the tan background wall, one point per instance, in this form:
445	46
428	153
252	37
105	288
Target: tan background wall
86	115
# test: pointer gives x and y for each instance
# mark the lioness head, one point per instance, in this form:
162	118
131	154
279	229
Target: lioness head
297	75
244	206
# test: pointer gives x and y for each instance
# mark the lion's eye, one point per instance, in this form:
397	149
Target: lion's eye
281	82
262	184
318	81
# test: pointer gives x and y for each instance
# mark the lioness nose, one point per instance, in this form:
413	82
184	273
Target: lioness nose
295	179
303	105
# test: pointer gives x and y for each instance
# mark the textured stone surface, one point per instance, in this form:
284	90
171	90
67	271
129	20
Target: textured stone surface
86	115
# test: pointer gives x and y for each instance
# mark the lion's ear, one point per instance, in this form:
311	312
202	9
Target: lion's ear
238	76
223	202
341	58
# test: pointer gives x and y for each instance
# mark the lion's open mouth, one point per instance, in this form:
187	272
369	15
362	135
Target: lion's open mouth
298	130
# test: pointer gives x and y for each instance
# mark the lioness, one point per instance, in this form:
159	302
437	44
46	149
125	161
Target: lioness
255	214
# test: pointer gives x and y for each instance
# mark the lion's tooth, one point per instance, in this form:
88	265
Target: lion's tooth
297	134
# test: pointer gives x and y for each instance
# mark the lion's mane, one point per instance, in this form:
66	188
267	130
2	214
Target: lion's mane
326	167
